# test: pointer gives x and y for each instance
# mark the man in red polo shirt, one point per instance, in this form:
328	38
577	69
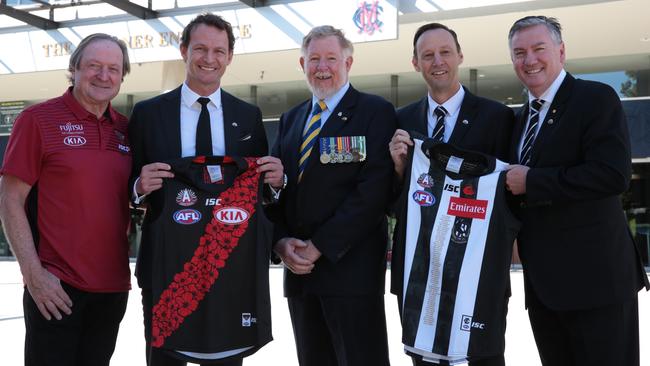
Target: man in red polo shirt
63	205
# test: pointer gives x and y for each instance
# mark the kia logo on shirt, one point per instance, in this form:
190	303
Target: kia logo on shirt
231	215
187	216
74	140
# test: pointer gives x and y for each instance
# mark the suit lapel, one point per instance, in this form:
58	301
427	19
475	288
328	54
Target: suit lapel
422	119
520	123
230	125
552	119
466	116
295	139
171	121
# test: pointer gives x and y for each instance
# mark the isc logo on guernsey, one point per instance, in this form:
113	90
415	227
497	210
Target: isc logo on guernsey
231	215
187	216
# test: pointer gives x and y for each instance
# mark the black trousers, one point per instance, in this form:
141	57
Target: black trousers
492	361
602	336
339	331
84	338
158	357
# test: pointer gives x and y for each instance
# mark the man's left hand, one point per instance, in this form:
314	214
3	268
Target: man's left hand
273	171
516	179
310	252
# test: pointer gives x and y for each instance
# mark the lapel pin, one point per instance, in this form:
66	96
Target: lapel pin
550	121
340	114
465	122
234	124
554	110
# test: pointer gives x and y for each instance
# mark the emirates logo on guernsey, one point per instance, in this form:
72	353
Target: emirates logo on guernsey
469	208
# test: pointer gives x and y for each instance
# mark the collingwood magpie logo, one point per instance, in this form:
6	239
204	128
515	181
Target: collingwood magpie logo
460	232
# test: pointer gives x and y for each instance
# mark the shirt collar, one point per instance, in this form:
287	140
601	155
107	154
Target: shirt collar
189	97
81	113
452	105
334	100
549	94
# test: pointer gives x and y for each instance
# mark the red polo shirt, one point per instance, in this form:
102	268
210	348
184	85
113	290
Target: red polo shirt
79	166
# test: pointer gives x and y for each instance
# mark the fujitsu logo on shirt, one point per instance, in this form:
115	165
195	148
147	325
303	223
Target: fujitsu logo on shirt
466	207
71	128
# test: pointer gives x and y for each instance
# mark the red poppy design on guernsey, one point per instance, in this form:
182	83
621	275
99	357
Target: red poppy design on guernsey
189	287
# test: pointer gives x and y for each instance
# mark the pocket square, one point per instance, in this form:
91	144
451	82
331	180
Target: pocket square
246	137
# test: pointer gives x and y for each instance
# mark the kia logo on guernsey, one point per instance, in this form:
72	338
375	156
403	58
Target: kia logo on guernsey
424	198
187	216
74	141
231	215
466	207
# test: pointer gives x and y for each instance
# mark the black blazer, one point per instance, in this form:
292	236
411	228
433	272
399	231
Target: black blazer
575	245
341	206
488	129
154	133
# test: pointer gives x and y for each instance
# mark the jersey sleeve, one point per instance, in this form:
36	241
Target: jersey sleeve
24	152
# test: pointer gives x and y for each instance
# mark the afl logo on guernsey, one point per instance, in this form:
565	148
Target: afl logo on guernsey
74	141
424	198
186	197
187	216
231	215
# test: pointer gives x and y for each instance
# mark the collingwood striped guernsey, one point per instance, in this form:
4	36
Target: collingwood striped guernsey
457	239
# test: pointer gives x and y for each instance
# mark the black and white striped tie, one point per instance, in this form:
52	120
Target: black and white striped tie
439	130
529	138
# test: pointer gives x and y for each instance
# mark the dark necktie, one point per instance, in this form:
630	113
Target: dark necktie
203	134
439	131
529	137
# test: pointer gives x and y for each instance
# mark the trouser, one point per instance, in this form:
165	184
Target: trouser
606	335
84	338
339	330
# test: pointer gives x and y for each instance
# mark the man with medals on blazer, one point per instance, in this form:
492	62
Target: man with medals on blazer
169	126
448	113
331	230
582	270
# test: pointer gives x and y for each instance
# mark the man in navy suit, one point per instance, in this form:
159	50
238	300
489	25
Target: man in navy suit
165	127
582	271
449	113
331	230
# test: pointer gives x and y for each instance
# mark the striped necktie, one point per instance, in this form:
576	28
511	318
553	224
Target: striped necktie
309	136
439	130
529	137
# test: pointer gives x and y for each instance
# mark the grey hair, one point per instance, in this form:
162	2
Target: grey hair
327	31
77	55
552	24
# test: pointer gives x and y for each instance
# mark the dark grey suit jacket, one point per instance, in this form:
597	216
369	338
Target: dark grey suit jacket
340	207
575	245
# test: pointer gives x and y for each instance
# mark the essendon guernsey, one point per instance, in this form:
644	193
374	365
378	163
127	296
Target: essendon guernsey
457	237
210	271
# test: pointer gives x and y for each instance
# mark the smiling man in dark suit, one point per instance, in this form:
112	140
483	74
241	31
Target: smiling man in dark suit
449	113
331	232
581	268
168	126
